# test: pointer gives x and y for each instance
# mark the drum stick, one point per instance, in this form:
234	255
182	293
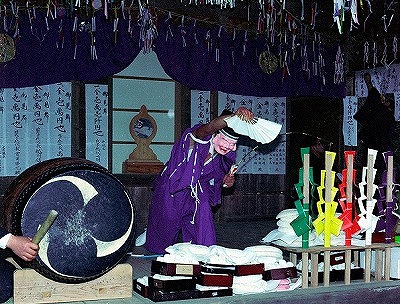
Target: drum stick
45	226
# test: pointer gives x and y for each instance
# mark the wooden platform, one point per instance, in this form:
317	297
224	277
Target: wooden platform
311	255
31	287
248	233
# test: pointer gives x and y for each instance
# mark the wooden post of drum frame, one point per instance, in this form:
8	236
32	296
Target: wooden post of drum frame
31	287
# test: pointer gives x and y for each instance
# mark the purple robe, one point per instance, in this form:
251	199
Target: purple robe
184	193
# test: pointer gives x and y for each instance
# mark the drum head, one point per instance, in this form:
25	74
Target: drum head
94	228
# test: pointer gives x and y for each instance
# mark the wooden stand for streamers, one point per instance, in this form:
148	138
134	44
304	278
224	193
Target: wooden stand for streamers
31	287
310	260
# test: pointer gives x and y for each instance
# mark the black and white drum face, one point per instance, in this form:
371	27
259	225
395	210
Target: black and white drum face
94	228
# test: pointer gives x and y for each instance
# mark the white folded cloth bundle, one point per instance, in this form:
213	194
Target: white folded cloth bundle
253	284
229	256
285	235
185	253
270	256
215	254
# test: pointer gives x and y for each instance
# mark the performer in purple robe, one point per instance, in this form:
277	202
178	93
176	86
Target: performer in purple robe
191	183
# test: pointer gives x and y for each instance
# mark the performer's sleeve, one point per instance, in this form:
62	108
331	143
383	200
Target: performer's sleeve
222	168
215	193
4	239
185	170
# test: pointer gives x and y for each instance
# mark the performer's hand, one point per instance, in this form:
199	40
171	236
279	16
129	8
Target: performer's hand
23	247
245	114
229	180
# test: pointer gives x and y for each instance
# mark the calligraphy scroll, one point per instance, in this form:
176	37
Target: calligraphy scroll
97	123
200	109
60	103
385	79
35	126
277	155
397	106
350	104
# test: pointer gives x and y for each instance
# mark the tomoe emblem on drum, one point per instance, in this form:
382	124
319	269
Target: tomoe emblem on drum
95	221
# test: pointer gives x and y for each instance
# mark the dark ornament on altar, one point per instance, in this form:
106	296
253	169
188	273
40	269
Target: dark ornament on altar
143	129
7	48
268	62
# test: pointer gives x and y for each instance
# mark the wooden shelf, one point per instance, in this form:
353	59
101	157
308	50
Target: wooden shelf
312	254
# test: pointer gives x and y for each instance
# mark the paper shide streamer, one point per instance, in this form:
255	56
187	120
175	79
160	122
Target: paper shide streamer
339	67
148	29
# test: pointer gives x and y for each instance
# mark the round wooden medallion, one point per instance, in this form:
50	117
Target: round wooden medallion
268	62
7	48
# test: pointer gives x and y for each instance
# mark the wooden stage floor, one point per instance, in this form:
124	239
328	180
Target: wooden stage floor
249	233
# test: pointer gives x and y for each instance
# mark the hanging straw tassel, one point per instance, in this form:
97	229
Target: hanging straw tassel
75	26
183	31
148	29
394	48
375	55
196	41
384	54
339	69
217	44
366	54
93	51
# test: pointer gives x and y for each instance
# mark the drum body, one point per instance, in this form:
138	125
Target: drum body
94	228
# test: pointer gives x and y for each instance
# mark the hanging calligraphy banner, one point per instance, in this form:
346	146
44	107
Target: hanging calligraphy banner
397	106
97	123
35	125
350	104
60	120
277	154
385	79
200	109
